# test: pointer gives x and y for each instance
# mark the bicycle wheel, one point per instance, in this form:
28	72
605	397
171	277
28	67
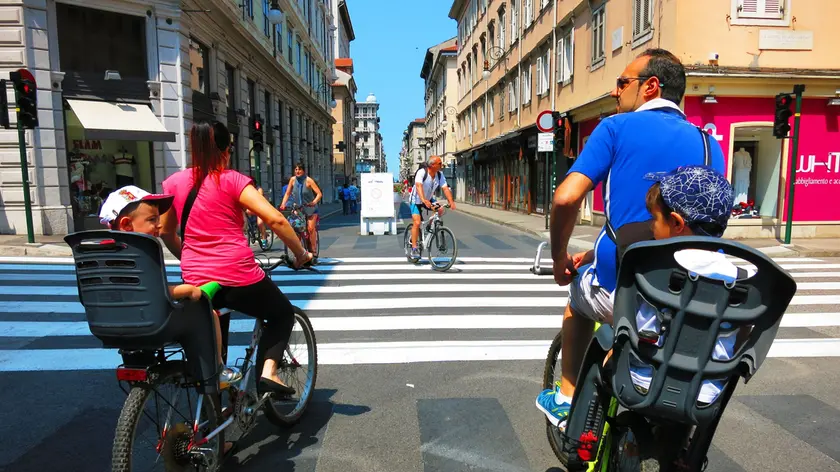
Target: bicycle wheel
443	244
298	369
144	442
551	374
407	242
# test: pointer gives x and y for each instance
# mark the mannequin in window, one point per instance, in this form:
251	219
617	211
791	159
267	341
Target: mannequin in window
743	164
124	165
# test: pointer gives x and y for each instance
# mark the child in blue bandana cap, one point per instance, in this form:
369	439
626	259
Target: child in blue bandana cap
691	200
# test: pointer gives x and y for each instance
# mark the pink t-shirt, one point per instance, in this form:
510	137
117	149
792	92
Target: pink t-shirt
216	247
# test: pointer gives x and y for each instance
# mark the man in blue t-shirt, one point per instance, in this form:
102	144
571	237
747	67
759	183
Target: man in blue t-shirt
648	134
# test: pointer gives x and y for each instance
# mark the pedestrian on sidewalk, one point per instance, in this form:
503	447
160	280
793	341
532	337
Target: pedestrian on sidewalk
344	194
354	197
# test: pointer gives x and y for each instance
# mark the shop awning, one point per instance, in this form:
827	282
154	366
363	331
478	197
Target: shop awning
119	121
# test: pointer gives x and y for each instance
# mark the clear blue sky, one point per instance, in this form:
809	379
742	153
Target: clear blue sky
391	41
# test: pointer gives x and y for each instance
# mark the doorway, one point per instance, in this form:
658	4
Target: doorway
756	167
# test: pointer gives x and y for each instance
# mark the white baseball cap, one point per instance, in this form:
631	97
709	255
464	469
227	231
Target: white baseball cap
121	198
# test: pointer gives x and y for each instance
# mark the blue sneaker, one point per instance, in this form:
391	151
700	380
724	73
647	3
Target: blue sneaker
556	413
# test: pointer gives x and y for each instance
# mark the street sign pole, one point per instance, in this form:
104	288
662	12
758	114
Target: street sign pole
798	90
27	203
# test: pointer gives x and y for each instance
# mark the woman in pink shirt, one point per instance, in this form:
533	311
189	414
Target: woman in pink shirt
215	248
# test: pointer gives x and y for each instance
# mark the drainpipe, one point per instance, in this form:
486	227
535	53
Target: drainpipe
519	65
553	74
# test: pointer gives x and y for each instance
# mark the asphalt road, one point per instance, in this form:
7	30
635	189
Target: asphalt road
418	371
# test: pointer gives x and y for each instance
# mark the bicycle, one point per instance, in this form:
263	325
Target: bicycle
433	230
615	425
298	221
122	284
253	232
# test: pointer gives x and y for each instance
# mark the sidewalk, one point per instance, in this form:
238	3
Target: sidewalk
54	245
584	236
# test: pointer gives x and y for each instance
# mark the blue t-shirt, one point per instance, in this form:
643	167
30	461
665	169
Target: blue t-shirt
620	151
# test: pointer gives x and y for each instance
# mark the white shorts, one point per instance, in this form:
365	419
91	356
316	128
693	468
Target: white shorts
590	301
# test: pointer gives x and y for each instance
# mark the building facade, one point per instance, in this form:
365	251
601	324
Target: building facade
121	82
344	93
439	72
520	57
416	146
368	138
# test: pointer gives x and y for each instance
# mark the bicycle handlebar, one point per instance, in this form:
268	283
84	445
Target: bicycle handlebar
536	269
268	266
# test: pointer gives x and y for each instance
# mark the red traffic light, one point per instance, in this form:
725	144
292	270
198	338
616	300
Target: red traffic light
257	125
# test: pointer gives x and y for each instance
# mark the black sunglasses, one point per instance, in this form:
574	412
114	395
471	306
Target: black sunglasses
622	82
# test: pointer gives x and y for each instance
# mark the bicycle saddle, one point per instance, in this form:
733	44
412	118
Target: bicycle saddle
692	310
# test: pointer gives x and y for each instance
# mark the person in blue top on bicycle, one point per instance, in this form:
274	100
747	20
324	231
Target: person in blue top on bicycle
307	194
426	182
649	133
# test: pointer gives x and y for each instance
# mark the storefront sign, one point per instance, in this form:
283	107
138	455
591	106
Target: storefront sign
786	40
712	130
87	144
545	142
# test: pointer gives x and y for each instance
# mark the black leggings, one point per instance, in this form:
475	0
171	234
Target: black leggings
265	301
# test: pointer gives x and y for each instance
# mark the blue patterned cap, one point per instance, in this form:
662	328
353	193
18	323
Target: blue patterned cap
699	193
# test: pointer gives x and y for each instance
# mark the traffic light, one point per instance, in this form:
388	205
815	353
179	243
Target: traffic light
257	133
27	100
781	127
341	146
559	130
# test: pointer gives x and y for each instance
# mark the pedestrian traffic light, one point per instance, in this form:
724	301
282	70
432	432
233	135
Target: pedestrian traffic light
257	133
27	101
781	127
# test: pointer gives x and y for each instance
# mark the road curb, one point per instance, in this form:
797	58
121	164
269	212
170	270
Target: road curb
503	223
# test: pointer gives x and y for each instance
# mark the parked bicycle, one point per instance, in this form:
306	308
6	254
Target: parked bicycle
437	239
297	219
616	425
253	232
172	417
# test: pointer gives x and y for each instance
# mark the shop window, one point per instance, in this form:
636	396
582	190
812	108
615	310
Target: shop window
756	165
98	167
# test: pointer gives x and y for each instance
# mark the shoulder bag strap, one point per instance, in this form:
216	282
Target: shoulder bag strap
187	208
707	148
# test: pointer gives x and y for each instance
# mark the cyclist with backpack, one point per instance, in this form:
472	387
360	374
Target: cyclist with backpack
427	180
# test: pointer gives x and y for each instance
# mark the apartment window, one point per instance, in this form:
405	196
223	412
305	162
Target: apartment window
642	21
230	91
299	56
469	73
278	38
482	117
598	37
543	64
252	98
266	24
475	118
761	12
514	15
289	45
565	57
483	6
512	89
307	67
544	3
529	13
526	84
501	101
248	8
491	112
199	67
502	28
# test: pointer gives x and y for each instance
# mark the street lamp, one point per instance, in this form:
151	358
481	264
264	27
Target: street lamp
450	111
275	15
323	88
495	53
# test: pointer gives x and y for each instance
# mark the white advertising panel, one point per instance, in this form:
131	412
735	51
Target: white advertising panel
377	195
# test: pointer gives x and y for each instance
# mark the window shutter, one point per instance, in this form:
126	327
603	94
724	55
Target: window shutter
748	9
647	17
637	17
539	75
773	9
